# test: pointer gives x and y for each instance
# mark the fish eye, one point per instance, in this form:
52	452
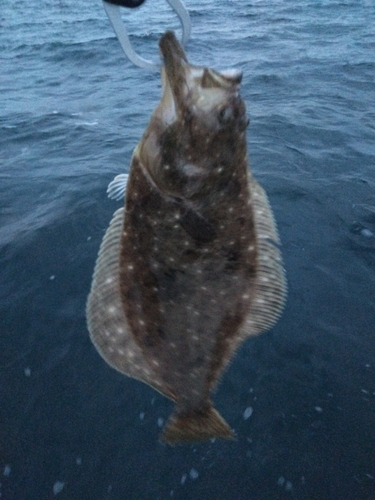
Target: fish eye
225	114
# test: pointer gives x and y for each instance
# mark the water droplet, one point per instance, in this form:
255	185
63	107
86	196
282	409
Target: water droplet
193	474
7	470
58	487
281	481
248	412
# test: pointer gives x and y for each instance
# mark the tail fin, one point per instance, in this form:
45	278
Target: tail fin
196	426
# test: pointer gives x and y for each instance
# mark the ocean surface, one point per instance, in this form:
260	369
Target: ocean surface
301	397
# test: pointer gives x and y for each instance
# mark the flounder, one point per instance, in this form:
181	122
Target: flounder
191	266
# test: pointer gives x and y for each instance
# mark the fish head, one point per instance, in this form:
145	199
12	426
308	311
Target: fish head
199	94
198	126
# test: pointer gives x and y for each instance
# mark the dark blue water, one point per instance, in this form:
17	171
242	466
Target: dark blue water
72	109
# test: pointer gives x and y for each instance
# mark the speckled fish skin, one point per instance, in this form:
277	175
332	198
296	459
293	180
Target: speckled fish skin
191	267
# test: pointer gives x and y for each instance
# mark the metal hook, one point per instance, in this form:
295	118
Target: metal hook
113	12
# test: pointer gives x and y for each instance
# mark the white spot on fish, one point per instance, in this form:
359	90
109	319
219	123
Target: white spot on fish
130	267
27	372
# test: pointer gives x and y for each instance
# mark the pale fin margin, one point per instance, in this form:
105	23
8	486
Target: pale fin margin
116	188
196	426
270	288
106	319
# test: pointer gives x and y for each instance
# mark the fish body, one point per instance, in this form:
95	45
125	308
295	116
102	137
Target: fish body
190	267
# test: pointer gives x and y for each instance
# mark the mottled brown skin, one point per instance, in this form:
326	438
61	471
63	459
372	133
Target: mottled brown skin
188	258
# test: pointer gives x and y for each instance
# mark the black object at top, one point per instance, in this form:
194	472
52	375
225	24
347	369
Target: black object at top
126	3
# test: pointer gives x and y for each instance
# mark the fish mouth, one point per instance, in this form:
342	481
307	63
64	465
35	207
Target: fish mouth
175	67
172	51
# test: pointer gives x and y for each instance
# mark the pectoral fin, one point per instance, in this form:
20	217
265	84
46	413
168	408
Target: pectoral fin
116	188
